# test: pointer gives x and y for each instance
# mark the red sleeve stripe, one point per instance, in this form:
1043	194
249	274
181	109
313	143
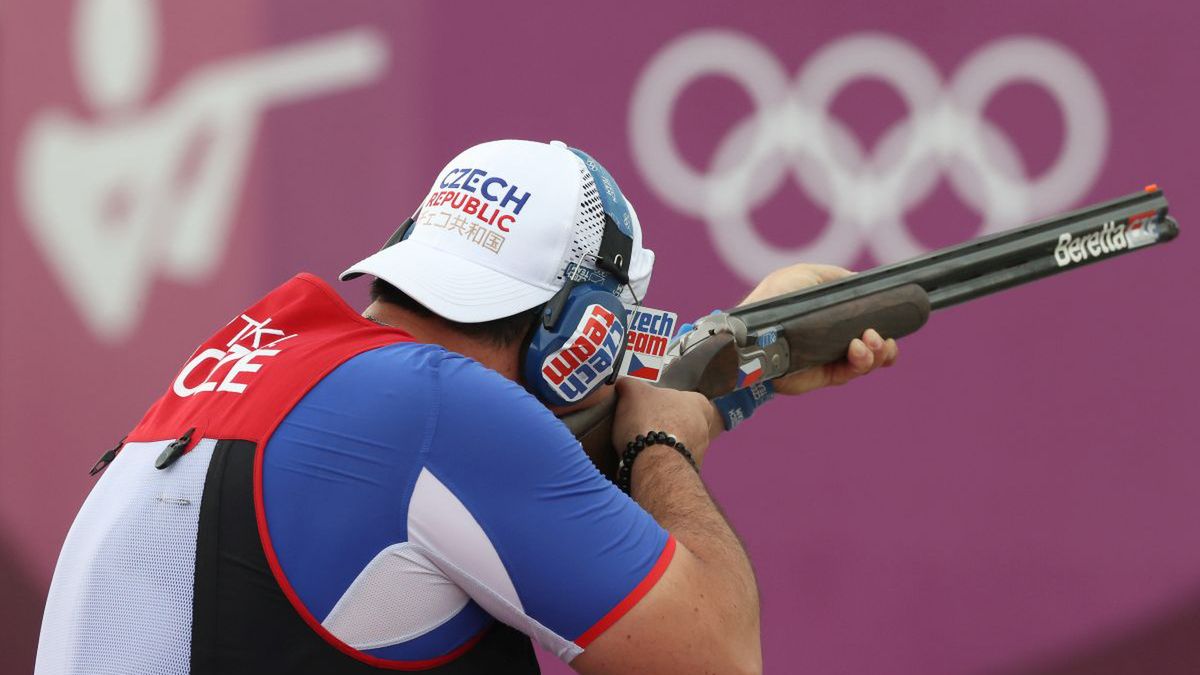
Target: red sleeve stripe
635	596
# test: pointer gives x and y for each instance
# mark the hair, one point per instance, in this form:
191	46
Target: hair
501	332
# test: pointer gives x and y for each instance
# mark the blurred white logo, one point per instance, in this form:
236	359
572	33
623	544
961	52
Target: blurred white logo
138	191
238	356
945	133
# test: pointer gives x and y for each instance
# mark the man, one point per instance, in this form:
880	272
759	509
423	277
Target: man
324	492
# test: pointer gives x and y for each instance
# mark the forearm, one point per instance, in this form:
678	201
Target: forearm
671	491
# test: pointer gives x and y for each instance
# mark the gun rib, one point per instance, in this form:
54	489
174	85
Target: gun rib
984	265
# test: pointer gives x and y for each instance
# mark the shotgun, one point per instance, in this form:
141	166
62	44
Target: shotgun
764	340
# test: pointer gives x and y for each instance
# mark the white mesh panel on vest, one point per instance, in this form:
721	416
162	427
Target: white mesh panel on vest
121	599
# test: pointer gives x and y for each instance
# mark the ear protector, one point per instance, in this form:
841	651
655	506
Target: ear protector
578	342
580	338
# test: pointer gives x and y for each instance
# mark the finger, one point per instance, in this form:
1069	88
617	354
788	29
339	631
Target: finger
855	364
891	353
886	352
876	344
841	372
860	357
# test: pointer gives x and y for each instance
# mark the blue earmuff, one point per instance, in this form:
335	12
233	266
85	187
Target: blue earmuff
579	342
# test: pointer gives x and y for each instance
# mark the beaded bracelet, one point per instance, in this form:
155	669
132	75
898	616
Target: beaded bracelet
635	448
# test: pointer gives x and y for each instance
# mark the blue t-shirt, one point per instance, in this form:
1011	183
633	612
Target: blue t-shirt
414	496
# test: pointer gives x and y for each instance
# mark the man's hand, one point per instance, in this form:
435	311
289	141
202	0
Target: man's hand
686	415
863	355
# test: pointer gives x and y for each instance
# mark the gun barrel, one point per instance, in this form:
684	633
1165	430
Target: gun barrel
992	263
1039	266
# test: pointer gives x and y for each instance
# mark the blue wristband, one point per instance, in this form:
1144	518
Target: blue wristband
738	405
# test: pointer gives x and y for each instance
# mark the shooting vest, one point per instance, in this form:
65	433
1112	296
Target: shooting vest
169	566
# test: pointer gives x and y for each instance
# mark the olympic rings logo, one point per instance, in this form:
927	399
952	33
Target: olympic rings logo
866	197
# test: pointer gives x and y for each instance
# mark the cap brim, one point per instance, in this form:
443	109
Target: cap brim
450	286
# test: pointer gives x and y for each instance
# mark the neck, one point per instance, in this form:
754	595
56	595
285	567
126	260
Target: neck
433	330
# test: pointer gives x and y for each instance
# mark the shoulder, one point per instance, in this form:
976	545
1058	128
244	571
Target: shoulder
421	361
395	362
462	394
425	371
496	408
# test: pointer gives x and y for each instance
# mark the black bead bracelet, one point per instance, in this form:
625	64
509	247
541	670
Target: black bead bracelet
635	448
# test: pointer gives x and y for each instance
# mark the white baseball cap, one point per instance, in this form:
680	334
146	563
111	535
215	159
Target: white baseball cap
497	231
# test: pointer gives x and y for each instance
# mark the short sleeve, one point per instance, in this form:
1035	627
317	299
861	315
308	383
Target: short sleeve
514	512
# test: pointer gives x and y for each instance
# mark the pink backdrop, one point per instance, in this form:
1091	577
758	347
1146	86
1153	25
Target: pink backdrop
1017	496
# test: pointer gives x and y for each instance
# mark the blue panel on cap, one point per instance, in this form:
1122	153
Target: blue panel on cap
610	194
